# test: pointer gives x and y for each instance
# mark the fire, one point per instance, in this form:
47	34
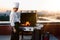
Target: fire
27	23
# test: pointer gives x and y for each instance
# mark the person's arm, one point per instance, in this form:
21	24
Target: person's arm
12	19
12	22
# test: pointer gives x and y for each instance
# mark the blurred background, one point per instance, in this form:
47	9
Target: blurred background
47	14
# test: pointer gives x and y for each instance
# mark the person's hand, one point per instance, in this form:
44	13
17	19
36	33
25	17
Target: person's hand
14	30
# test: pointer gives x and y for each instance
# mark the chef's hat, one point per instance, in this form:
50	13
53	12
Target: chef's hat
15	5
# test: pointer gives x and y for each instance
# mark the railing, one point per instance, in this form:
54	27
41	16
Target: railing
4	23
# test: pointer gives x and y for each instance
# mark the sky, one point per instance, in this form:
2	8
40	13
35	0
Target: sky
50	5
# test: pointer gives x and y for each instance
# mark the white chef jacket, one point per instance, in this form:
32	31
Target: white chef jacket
14	17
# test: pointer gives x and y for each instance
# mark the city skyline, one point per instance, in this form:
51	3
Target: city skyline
49	5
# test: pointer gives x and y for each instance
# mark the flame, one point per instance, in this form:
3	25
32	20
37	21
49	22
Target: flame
27	23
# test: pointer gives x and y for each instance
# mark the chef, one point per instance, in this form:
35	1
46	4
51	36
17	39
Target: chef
14	21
